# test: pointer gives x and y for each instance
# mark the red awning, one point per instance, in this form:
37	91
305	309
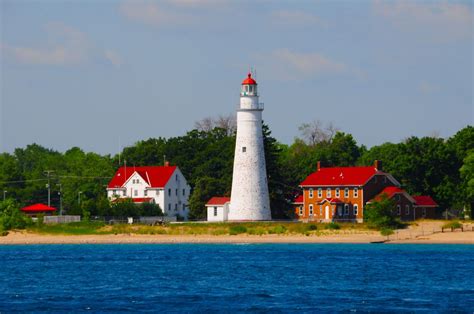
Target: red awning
38	208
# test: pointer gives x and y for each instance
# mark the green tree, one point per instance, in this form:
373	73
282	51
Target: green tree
380	214
467	175
11	217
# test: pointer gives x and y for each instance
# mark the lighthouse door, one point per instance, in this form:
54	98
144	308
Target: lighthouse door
327	212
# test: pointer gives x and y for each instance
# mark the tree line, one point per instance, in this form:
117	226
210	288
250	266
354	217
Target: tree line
441	168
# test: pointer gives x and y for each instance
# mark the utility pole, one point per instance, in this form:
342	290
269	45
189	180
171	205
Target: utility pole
48	173
4	193
79	198
60	200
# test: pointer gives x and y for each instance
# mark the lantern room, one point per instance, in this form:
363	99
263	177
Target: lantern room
249	86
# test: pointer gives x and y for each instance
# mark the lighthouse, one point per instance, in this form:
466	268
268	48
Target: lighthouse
249	196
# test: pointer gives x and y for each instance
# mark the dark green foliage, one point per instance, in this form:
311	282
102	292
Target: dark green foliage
453	225
386	232
332	226
381	214
237	229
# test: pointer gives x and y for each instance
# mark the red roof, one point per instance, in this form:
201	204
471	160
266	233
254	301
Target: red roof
218	200
338	176
331	200
298	199
156	176
390	191
424	200
38	208
249	80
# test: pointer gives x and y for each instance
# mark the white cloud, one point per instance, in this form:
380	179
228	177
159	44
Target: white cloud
307	63
64	46
285	64
152	14
296	18
442	20
69	46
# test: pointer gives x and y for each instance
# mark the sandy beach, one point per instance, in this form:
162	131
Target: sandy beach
423	233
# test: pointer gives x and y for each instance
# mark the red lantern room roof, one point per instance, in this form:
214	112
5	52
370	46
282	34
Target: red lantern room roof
249	80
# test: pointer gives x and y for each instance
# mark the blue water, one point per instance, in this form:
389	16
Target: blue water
268	278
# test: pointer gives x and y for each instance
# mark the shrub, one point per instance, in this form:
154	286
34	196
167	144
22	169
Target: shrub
277	229
333	226
256	231
237	229
452	225
380	214
11	217
3	233
386	231
312	227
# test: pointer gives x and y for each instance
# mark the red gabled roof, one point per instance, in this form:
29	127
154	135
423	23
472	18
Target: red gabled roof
424	200
249	80
391	191
331	200
298	199
38	208
218	200
337	176
155	176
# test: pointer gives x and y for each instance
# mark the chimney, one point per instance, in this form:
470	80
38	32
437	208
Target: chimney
318	167
378	165
167	163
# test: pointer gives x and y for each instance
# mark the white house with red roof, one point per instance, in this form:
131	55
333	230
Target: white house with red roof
218	209
341	194
162	185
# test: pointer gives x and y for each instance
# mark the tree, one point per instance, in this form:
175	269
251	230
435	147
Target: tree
467	175
316	132
380	214
205	188
11	217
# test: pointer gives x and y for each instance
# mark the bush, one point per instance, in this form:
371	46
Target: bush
11	217
333	226
277	230
237	229
452	225
312	227
380	214
3	233
386	231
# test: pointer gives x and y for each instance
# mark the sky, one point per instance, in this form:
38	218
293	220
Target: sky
101	75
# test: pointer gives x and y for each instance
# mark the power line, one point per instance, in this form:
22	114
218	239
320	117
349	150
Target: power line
66	177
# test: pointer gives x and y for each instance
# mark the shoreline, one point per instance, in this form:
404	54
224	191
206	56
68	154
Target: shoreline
27	238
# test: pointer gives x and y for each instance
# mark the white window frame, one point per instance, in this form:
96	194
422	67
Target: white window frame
346	209
301	211
407	209
135	192
145	193
355	209
320	210
320	193
311	209
338	192
355	192
346	193
215	211
311	192
328	192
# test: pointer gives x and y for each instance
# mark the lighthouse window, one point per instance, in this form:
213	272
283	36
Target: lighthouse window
244	149
251	89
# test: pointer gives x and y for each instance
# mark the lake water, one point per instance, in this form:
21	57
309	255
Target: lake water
264	278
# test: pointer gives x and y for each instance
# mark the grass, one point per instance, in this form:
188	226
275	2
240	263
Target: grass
192	228
452	225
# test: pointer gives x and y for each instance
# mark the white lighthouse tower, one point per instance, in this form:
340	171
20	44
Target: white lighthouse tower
249	197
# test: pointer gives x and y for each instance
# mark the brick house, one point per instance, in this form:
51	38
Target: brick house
341	194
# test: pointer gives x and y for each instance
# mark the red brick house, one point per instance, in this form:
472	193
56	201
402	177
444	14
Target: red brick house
341	194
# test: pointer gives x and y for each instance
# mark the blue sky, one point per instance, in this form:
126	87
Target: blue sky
105	74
